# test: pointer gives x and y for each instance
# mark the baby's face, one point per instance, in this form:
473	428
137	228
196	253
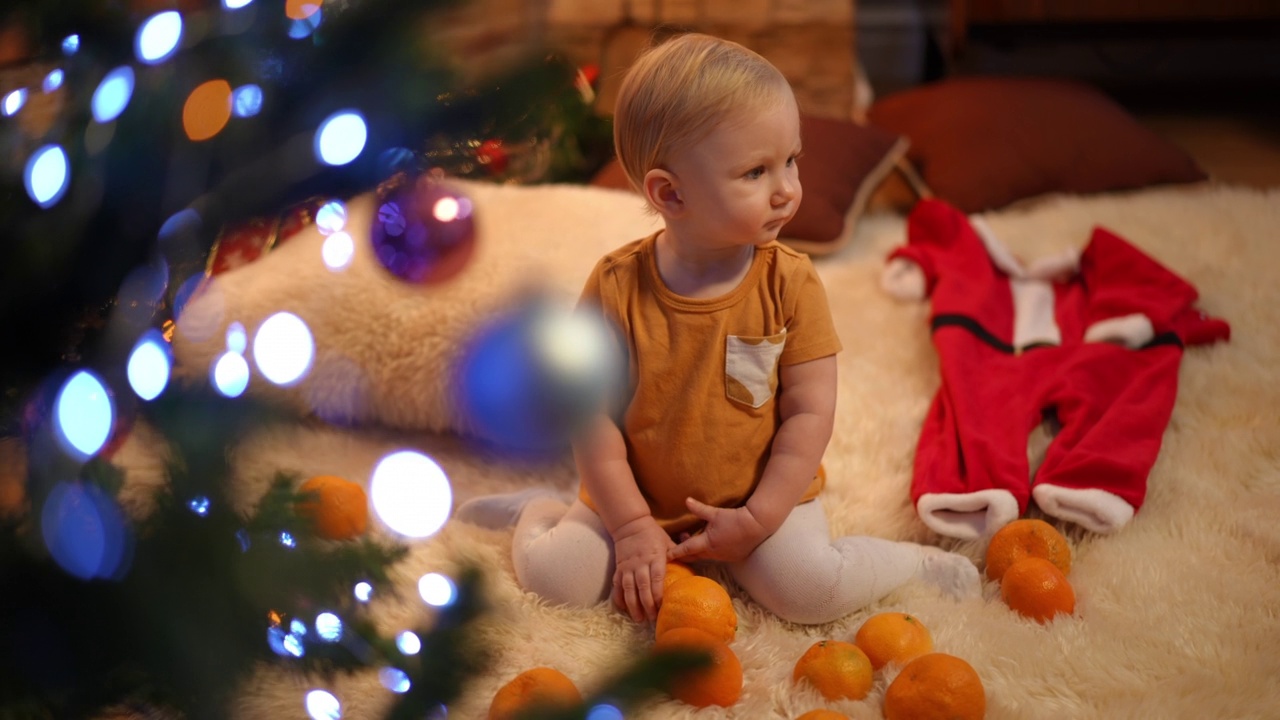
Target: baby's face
740	184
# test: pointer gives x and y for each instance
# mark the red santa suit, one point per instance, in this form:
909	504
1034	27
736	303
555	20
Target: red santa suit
1088	341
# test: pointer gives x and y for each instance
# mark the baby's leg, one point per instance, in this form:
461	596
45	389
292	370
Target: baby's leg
803	576
563	554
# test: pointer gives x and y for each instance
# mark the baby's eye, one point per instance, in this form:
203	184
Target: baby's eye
755	173
791	161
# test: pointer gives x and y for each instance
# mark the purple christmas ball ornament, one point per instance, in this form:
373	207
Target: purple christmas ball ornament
423	231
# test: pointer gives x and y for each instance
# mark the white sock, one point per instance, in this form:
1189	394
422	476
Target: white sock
497	512
953	574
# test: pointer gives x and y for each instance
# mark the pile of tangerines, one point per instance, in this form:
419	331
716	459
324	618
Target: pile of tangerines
1029	558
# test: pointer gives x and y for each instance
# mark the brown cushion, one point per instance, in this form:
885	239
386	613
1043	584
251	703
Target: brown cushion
982	143
843	164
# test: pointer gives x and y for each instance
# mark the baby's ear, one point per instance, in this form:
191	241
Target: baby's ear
663	193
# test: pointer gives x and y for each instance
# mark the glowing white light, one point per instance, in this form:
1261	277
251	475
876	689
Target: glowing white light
363	591
329	627
231	374
283	348
246	100
237	339
158	37
148	367
411	493
394	679
112	95
337	251
293	645
297	627
331	217
53	80
446	209
341	138
13	102
604	712
199	505
84	412
235	4
436	589
409	642
322	705
287	540
47	175
70	44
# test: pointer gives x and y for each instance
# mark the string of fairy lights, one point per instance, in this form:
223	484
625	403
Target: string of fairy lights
526	381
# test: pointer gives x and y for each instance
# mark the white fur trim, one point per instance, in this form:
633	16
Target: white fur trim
1033	313
1091	508
1129	330
903	279
1000	255
967	516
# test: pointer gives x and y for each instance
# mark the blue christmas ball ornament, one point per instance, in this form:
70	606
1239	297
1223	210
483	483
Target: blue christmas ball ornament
535	375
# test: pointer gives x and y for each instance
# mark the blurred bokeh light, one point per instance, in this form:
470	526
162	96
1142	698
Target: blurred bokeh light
13	101
112	94
337	251
47	175
149	365
85	531
437	590
341	138
411	494
158	37
322	705
394	679
207	110
230	374
283	348
53	80
246	101
409	643
84	413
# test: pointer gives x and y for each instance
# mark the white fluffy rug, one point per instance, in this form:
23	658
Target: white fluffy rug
1178	615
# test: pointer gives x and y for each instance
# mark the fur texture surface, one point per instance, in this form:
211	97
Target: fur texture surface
1178	614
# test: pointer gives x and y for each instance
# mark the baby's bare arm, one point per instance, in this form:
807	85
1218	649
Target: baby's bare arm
640	545
807	405
807	402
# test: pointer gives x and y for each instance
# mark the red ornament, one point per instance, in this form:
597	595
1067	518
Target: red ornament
492	155
585	82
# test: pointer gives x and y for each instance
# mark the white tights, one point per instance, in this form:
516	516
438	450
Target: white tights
799	573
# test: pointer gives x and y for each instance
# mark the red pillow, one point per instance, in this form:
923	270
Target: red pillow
981	143
843	164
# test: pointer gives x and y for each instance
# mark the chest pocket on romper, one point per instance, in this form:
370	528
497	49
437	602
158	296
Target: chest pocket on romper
751	367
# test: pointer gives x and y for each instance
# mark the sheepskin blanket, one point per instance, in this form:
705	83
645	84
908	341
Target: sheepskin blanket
1178	614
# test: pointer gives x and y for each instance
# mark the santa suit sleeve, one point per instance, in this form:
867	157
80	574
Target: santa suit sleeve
1133	299
911	271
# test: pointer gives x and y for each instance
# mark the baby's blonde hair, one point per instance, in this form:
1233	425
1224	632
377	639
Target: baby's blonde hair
678	91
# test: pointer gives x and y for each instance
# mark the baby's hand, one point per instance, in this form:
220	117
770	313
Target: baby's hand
730	535
640	549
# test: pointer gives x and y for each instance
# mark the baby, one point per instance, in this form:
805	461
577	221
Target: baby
731	350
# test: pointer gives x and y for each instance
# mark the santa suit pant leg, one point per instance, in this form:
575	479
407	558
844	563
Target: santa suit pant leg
971	470
1114	404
